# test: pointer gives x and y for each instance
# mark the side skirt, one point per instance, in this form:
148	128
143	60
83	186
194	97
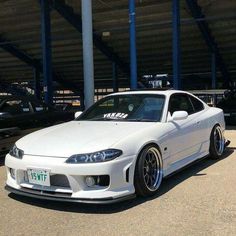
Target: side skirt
186	166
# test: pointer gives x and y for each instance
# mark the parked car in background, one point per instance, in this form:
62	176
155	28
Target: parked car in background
22	115
228	105
122	146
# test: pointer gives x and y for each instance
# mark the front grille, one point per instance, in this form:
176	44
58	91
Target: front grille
56	180
59	181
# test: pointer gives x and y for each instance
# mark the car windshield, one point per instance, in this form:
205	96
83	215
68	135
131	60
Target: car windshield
132	107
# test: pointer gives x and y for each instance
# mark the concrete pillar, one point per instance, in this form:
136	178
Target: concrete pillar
86	7
176	45
46	51
133	50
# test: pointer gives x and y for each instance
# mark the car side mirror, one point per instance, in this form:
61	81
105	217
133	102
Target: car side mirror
179	115
77	114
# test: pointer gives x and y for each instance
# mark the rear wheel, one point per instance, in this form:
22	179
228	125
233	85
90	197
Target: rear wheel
148	171
217	143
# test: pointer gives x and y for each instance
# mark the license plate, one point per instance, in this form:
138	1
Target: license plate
39	176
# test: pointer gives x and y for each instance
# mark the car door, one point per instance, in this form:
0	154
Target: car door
182	135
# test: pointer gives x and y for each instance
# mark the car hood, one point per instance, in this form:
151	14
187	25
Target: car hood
77	137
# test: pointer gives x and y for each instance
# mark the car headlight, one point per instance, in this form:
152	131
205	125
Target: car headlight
16	152
101	156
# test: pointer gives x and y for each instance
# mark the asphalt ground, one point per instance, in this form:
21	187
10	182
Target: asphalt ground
200	200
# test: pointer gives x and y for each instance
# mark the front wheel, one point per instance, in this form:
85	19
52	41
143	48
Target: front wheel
148	171
217	143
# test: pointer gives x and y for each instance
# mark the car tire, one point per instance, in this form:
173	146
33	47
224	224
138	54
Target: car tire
148	171
217	143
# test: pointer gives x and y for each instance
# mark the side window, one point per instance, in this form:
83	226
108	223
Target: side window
180	102
198	106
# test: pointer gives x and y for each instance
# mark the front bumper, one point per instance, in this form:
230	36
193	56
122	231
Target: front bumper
46	196
74	189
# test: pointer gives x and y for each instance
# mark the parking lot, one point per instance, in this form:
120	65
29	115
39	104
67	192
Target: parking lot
200	200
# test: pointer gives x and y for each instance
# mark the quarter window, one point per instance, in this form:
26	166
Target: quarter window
198	105
180	102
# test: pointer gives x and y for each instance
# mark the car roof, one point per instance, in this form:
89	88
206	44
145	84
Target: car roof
158	92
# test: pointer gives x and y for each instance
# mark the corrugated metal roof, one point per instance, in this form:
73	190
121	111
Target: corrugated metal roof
20	25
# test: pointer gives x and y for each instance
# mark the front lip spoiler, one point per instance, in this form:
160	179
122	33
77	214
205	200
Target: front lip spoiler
66	199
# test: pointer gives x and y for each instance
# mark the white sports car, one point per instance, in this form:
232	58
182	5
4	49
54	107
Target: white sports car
122	146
